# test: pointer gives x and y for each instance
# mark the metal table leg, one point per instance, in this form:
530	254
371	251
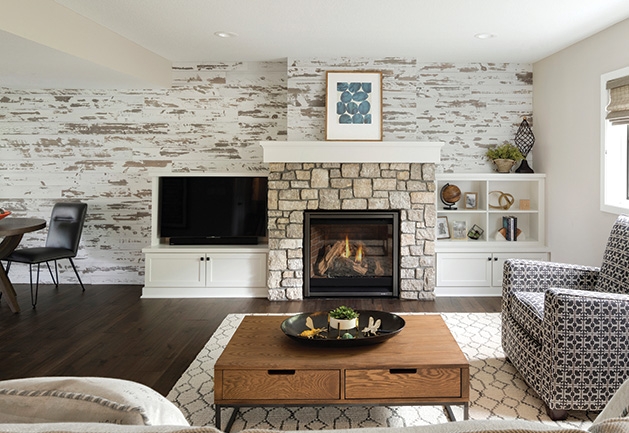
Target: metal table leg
232	418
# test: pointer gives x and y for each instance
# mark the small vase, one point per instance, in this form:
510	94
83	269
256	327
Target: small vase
504	165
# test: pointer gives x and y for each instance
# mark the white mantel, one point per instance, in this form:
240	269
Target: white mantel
352	151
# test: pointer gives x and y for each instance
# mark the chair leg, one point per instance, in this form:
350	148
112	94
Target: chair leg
77	274
54	280
6	272
34	295
557	414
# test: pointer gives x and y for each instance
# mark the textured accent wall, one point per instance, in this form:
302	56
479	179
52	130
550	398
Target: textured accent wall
101	147
469	107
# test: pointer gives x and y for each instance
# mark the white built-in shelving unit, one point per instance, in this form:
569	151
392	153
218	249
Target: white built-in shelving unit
467	267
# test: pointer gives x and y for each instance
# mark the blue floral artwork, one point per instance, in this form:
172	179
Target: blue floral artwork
353	105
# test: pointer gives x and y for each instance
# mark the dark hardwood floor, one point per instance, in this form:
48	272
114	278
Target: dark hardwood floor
109	331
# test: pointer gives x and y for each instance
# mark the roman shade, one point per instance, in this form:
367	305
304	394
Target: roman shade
618	107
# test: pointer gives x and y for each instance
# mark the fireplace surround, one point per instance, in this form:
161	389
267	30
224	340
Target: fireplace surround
351	176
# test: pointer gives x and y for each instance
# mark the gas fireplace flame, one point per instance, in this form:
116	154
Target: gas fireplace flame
348	252
359	254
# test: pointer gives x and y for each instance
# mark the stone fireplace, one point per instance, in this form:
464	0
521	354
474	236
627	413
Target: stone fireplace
351	176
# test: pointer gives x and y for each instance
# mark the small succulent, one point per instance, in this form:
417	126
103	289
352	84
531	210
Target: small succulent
343	313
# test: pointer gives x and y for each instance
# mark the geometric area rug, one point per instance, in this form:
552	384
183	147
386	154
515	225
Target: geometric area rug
497	391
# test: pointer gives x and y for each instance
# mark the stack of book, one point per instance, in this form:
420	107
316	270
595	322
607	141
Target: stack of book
510	226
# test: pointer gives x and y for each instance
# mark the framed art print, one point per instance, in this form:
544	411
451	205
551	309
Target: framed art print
443	229
459	230
471	200
353	107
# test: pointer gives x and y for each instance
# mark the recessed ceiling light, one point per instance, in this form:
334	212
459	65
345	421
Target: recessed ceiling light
484	36
226	34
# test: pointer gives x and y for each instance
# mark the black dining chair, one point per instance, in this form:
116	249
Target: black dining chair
62	242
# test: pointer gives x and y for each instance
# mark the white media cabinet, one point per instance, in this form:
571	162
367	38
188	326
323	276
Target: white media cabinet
205	271
202	271
466	267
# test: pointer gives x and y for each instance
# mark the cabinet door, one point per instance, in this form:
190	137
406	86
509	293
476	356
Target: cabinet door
175	270
499	261
464	269
237	270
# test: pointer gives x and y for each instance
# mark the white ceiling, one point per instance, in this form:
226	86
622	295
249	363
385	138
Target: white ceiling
428	30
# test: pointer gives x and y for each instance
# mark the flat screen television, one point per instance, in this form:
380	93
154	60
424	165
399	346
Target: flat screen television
212	209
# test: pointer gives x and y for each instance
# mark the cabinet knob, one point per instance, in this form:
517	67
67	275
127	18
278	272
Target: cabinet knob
489	259
202	258
495	259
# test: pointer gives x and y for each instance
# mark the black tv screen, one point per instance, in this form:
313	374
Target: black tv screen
212	209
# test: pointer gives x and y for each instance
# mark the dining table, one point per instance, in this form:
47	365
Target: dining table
13	229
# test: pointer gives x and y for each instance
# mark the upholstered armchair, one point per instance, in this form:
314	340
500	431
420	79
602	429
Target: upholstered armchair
565	328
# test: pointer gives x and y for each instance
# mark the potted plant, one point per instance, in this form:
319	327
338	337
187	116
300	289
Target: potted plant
343	318
505	156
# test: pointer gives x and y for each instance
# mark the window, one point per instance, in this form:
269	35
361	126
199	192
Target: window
614	141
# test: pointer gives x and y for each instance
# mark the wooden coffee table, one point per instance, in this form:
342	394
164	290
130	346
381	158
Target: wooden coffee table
422	365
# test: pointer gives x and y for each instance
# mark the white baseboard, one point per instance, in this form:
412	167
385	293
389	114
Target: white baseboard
204	292
262	292
468	291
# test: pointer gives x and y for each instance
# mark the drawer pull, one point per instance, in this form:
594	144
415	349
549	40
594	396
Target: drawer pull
403	371
282	372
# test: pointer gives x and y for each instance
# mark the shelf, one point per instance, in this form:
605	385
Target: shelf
513	211
481	191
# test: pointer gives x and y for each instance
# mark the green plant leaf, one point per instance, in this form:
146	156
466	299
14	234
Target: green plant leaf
505	151
343	313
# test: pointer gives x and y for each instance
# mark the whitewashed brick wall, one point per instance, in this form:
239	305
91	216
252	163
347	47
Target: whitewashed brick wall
469	107
102	146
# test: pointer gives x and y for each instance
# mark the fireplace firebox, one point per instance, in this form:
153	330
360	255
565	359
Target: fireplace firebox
351	253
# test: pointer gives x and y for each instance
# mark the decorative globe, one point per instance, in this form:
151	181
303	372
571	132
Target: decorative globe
450	195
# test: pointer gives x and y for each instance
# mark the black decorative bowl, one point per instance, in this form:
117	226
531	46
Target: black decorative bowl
390	326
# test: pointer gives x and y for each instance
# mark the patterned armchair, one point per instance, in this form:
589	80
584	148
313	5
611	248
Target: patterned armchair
565	328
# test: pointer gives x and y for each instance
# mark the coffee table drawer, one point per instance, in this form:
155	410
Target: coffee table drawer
281	384
403	383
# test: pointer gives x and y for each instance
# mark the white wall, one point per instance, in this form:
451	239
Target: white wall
566	104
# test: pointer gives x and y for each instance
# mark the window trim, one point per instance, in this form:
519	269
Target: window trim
618	204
